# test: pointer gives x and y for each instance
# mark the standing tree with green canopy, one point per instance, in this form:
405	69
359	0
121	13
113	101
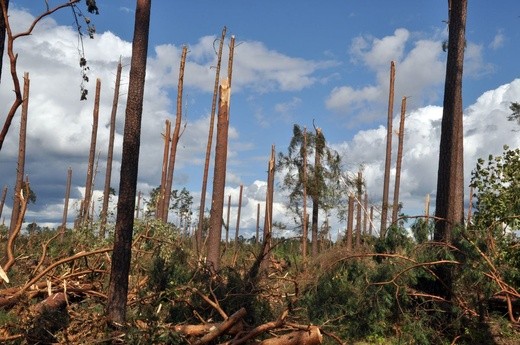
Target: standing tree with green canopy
322	177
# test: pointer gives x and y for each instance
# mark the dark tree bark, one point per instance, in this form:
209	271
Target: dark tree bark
388	159
219	179
319	150
21	157
2	36
121	255
2	199
449	203
175	139
257	222
359	203
202	207
110	154
399	161
305	229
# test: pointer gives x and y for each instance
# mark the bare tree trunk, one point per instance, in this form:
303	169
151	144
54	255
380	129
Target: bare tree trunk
399	161
449	203
359	204
315	200
175	139
268	219
66	204
305	230
365	213
159	204
371	226
388	159
121	255
257	222
350	222
2	200
219	178
110	155
238	213
470	207
85	214
202	207
21	156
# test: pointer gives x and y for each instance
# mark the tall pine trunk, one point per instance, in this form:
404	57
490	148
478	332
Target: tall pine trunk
121	255
159	203
238	214
202	206
175	139
85	213
110	154
66	203
2	36
399	161
305	229
219	178
449	203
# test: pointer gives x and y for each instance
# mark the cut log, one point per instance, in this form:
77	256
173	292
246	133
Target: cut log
200	330
311	336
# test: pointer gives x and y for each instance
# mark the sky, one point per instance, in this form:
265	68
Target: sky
295	62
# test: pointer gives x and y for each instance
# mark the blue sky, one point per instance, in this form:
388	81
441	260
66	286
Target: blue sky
295	62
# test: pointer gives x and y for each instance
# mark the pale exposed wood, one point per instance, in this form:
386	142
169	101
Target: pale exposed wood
399	161
312	336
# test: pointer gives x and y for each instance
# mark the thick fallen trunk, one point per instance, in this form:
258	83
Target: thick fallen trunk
223	327
200	330
311	336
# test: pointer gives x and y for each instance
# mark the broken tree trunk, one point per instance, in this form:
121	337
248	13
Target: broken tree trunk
175	139
66	204
310	336
21	156
166	152
350	222
238	214
202	207
110	154
85	214
398	163
388	159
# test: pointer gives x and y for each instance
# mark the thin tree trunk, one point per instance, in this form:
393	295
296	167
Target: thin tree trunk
166	152
121	255
238	213
21	156
138	207
350	222
92	156
110	155
66	204
365	213
388	159
268	219
470	206
305	230
316	199
2	200
399	161
219	178
449	203
371	226
257	222
359	204
202	207
175	138
227	219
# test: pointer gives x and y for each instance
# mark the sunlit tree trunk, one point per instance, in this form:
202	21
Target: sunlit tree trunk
121	255
219	178
268	219
164	172
202	207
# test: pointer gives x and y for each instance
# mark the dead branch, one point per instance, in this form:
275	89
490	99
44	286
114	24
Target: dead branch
260	329
222	327
311	336
16	231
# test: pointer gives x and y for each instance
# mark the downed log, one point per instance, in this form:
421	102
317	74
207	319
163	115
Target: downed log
311	336
200	330
223	327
